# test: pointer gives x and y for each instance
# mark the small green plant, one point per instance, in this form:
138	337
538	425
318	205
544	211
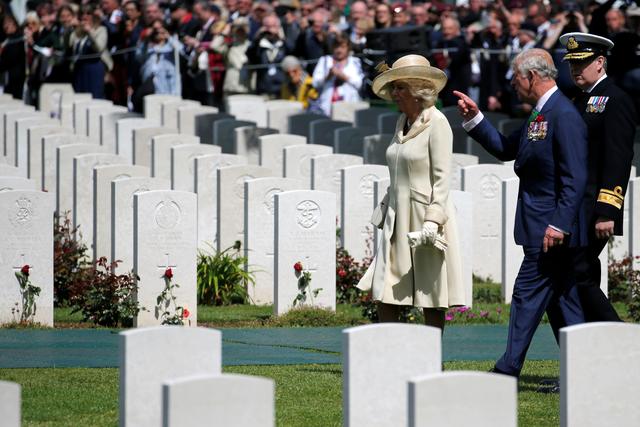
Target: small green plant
28	293
624	285
304	285
486	292
166	300
106	299
70	261
222	278
348	274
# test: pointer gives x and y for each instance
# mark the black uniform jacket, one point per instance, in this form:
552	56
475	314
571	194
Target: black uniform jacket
610	116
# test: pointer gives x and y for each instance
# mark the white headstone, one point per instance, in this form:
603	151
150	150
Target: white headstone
271	154
183	164
604	270
161	152
231	400
102	177
620	245
165	236
326	175
170	111
357	206
596	360
26	221
50	98
124	135
22	139
248	107
142	143
9	170
64	173
94	111
122	191
346	110
297	160
484	183
8	183
50	144
633	200
278	112
230	201
10	403
80	115
35	149
108	132
458	161
259	232
66	107
184	352
10	108
377	362
305	232
512	254
153	106
10	133
463	205
247	142
206	186
489	400
187	117
83	191
380	187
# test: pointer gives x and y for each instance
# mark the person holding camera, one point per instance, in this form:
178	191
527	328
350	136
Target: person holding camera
338	77
267	51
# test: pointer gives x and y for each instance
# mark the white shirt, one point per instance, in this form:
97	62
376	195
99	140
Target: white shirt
604	76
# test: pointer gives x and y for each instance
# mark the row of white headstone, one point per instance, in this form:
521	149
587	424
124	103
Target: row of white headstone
392	376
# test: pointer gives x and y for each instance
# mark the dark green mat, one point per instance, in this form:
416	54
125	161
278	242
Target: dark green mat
94	348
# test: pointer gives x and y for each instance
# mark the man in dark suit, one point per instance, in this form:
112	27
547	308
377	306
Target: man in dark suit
610	117
550	154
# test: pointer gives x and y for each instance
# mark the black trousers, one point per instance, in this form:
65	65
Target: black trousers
595	304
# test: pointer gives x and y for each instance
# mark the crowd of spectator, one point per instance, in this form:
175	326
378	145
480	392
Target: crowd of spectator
314	51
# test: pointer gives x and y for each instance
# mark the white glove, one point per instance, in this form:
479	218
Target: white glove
428	235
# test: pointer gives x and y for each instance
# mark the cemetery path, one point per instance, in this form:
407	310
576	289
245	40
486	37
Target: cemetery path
93	348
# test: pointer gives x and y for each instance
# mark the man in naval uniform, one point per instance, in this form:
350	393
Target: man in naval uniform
610	117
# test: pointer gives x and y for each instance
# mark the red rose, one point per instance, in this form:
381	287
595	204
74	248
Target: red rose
539	118
342	273
185	313
297	267
168	273
25	269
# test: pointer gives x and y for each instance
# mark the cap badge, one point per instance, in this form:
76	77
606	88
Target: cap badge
572	43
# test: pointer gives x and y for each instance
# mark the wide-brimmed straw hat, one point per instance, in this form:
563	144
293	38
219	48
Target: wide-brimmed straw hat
407	67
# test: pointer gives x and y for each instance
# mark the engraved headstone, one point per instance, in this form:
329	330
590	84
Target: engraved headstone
224	133
50	144
512	254
80	116
305	232
279	111
161	152
297	160
66	107
50	97
459	161
64	183
152	106
108	132
10	134
346	110
326	175
94	112
142	143
183	164
124	136
271	152
375	148
187	115
169	111
248	107
246	142
35	149
22	139
10	403
8	183
165	236
463	205
205	126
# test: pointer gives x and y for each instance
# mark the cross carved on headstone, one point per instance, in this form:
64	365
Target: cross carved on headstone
163	266
22	263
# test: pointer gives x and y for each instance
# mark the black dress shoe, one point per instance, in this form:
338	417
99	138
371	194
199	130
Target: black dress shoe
495	370
548	387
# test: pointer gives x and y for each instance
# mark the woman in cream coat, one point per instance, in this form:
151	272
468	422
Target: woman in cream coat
417	262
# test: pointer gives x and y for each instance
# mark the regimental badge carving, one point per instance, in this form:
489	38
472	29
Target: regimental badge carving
5	189
22	213
489	186
238	187
167	214
141	190
366	185
308	214
305	165
269	199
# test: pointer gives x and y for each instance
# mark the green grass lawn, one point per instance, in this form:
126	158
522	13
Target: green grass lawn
306	395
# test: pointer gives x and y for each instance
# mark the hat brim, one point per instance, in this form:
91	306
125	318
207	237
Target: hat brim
381	84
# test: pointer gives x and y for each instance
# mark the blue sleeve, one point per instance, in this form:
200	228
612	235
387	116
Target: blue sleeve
570	150
502	147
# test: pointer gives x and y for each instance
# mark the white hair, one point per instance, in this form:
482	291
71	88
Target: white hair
423	90
534	60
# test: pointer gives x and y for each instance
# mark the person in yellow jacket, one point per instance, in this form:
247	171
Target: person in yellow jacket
298	84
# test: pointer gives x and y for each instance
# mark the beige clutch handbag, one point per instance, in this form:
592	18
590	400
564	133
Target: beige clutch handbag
380	212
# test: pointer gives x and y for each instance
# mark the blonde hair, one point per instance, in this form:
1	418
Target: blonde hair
423	90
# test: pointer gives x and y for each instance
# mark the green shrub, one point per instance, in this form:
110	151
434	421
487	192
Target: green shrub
313	317
106	299
222	279
486	292
70	261
621	279
348	274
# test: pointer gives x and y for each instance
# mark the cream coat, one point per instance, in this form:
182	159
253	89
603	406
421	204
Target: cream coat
419	167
